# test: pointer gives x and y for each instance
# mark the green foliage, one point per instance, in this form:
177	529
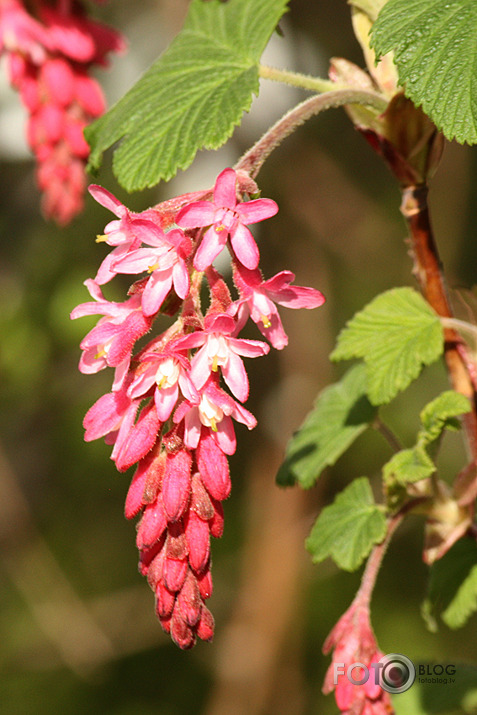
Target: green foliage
452	590
411	465
441	413
435	51
396	334
416	463
340	414
408	465
193	95
348	529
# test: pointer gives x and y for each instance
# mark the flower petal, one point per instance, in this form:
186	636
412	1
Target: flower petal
211	245
225	194
256	210
245	247
235	376
157	287
106	199
196	214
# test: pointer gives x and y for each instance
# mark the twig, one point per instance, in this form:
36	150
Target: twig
252	160
428	271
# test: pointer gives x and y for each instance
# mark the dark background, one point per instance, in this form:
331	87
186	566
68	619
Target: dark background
77	626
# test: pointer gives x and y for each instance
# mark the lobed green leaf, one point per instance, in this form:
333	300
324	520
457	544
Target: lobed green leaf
408	465
441	413
193	95
411	465
396	334
348	529
435	51
340	414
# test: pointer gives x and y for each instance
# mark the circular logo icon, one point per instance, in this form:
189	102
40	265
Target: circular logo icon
397	673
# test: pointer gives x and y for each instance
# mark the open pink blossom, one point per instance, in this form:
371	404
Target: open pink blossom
126	233
165	261
167	266
226	217
220	349
258	298
169	373
213	415
110	342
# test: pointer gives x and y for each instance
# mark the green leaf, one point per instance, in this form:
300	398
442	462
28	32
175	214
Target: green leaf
440	414
396	334
408	465
193	95
435	51
340	414
411	465
348	529
452	590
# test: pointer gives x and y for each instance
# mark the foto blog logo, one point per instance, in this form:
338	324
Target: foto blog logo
394	673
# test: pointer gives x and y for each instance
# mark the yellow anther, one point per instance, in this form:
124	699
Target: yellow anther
266	321
100	354
215	363
213	425
219	227
100	238
153	267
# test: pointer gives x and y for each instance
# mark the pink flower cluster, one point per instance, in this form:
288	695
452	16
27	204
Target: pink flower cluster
172	406
353	641
50	51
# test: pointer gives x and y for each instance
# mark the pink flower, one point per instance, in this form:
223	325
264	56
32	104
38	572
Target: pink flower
109	414
168	371
353	641
126	233
220	349
258	298
110	342
113	417
49	57
166	263
226	217
213	415
20	32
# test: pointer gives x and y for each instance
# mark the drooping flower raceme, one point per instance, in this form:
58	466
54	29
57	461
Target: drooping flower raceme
50	49
352	641
170	412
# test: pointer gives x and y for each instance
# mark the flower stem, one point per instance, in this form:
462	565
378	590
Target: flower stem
368	581
251	162
296	79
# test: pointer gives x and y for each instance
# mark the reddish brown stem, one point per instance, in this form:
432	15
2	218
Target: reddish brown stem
428	271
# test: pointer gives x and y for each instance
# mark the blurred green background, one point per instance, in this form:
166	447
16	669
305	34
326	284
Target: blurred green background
78	632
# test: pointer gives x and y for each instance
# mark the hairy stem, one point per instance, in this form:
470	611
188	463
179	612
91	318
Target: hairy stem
296	79
251	162
368	581
428	271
